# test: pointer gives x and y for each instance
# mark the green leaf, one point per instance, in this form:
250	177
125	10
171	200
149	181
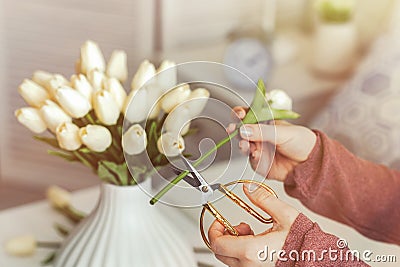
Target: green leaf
153	132
61	229
259	97
49	259
83	160
50	141
65	155
110	170
85	150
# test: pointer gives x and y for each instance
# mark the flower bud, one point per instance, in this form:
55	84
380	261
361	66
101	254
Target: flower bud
145	72
58	197
197	101
82	85
113	86
117	66
21	246
55	82
175	97
53	115
153	100
166	75
106	108
97	138
136	107
91	58
67	135
41	77
30	118
32	93
178	121
73	102
96	79
134	140
170	145
278	99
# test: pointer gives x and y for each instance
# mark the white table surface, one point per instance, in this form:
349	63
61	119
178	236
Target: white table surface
37	218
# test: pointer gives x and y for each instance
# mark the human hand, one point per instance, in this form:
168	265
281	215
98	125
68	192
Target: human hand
243	250
293	145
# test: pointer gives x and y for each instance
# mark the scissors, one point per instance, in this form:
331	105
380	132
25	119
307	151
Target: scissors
195	179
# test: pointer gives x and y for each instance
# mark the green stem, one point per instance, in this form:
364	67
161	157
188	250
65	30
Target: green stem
196	163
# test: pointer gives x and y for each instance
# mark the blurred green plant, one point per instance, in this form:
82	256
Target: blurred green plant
335	11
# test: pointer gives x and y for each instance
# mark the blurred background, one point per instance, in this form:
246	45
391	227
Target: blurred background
340	64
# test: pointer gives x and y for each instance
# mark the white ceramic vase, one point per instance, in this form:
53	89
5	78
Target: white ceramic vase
124	230
334	48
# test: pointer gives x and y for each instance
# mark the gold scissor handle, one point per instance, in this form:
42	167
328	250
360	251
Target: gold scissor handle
237	200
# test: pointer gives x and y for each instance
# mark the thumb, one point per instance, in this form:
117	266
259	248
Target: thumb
281	212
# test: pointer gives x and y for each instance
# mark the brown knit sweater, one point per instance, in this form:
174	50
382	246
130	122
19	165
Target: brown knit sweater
336	184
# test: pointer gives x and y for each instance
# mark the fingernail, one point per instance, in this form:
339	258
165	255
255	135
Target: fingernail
255	154
246	131
241	114
251	187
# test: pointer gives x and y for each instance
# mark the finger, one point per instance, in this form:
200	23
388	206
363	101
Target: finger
276	134
281	212
231	128
243	229
225	245
244	146
239	112
229	261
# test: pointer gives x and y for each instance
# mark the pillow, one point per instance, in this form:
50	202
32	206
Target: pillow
365	115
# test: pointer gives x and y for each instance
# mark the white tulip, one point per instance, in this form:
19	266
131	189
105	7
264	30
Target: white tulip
153	100
197	100
67	135
96	79
55	82
170	145
53	115
167	75
30	118
178	121
175	97
33	93
73	102
117	66
105	107
278	99
134	140
97	138
145	72
91	58
82	85
113	86
21	246
58	197
41	77
136	106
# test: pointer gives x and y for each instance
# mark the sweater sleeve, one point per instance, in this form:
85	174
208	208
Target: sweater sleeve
336	184
307	245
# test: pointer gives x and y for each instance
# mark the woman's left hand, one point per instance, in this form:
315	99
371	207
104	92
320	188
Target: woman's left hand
243	250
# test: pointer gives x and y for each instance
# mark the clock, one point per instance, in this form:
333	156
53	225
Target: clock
251	57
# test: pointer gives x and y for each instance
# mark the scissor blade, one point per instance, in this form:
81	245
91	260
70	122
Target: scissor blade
189	178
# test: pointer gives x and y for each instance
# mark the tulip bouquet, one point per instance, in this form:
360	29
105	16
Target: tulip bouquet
84	115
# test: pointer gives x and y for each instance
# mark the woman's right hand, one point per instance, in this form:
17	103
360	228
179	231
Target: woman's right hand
293	145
